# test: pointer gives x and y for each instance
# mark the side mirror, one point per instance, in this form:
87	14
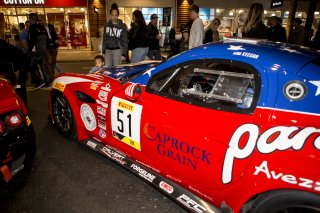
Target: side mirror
133	92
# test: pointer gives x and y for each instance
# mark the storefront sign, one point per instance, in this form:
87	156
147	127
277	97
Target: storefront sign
46	3
166	17
23	2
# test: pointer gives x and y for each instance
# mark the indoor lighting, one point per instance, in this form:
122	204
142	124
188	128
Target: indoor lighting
218	10
240	11
299	14
287	12
68	11
82	9
273	14
231	14
316	13
265	12
61	9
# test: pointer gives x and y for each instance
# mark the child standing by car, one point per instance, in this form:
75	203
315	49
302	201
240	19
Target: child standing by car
99	64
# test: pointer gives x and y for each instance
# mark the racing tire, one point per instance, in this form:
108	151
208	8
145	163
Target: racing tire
62	115
286	201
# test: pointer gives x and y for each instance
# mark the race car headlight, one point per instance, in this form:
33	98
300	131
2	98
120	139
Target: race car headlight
14	119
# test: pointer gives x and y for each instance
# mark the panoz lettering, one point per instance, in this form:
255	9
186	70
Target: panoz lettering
181	151
25	2
283	138
263	169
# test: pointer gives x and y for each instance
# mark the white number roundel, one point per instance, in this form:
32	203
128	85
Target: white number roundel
88	117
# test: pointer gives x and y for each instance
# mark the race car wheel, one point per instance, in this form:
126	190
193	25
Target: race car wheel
62	115
286	201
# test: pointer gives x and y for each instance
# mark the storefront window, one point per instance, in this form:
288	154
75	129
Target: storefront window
8	10
126	14
27	11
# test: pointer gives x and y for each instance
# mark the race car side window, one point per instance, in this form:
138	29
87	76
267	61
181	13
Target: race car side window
217	84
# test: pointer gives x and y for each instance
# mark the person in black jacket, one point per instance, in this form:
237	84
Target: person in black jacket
154	37
11	54
253	26
115	39
276	32
52	47
37	50
138	37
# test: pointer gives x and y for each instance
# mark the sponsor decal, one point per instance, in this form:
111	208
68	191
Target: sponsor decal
125	122
166	187
95	85
317	84
246	54
233	47
102	125
102	133
295	90
59	86
88	117
263	169
106	87
191	204
28	121
103	104
103	95
129	90
119	73
125	106
199	192
177	150
279	138
101	117
114	155
93	145
143	173
102	111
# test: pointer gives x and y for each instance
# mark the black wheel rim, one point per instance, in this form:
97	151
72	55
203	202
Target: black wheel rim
62	114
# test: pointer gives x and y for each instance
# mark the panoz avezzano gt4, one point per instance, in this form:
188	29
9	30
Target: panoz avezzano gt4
226	127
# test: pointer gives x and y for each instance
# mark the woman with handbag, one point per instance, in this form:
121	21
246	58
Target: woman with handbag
115	40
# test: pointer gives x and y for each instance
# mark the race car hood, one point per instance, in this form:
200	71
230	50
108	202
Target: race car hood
125	71
8	97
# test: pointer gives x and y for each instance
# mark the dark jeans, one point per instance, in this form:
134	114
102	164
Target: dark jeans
154	55
51	60
39	59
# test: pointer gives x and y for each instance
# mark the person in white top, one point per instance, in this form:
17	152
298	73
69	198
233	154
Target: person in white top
197	28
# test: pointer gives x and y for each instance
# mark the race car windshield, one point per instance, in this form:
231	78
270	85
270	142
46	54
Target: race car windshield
220	85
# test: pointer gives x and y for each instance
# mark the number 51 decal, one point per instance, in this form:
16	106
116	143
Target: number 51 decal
125	122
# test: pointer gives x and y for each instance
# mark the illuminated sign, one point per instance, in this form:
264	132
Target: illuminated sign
23	2
276	3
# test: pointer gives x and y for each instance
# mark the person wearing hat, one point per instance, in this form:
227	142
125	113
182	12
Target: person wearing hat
184	45
154	37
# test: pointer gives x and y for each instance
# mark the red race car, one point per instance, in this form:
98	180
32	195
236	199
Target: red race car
226	127
17	140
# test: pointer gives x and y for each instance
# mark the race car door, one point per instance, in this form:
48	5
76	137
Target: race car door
190	112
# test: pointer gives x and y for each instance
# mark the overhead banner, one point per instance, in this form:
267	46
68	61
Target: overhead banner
166	19
77	30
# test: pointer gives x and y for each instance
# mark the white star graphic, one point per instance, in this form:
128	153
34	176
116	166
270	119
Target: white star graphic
290	50
316	83
232	47
148	72
106	73
120	73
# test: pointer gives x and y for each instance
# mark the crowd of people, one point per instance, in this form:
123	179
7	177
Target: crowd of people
35	50
38	39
